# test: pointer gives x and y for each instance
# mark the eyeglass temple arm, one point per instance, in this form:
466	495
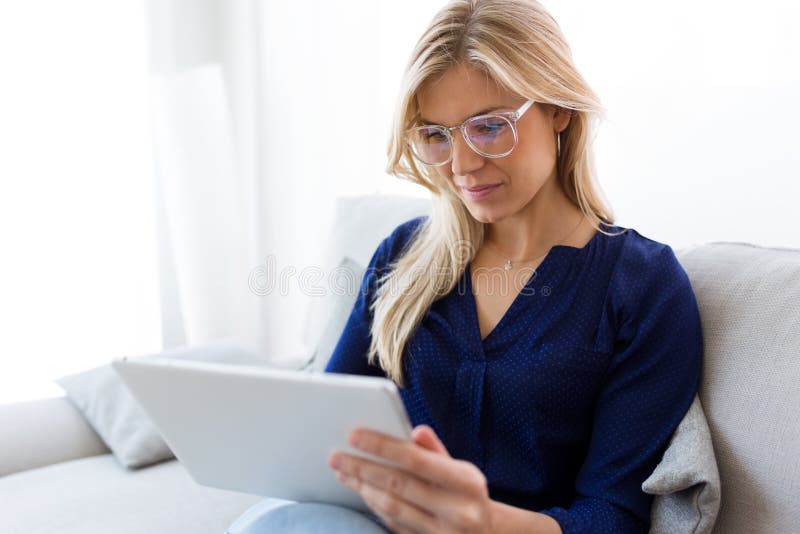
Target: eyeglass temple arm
523	108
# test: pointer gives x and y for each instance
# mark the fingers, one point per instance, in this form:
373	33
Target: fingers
414	486
401	516
398	511
399	529
424	436
394	526
401	489
445	472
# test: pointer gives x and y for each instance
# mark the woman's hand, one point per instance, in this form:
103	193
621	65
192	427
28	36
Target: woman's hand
428	491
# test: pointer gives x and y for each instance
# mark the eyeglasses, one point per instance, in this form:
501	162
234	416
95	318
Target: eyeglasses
492	135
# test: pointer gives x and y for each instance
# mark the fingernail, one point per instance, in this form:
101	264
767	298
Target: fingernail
336	463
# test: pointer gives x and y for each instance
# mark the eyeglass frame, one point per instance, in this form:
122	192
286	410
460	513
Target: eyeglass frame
511	116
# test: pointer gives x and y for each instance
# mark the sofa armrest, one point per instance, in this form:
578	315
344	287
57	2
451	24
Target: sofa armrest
43	432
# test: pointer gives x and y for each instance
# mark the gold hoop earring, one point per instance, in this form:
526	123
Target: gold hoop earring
558	144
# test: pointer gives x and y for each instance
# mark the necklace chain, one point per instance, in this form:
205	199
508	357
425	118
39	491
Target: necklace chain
508	264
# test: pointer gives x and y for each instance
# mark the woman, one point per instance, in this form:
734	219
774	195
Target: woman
544	355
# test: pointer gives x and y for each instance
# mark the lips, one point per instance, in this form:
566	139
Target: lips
478	188
480	193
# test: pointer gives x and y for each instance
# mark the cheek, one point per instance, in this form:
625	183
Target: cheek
530	166
540	151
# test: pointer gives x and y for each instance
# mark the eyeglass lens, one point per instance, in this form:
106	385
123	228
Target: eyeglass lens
490	135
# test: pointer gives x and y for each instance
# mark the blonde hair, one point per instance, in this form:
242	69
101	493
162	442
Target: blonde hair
520	46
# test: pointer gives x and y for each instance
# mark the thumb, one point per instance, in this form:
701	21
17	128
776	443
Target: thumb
425	437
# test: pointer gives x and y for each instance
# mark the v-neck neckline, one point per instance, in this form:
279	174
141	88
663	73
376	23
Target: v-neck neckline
543	273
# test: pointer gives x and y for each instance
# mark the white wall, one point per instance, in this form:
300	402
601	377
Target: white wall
77	275
702	141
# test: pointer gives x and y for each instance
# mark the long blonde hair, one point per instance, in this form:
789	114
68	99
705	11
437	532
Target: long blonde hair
520	46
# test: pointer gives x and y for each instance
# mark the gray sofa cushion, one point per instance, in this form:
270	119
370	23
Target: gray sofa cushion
749	299
95	496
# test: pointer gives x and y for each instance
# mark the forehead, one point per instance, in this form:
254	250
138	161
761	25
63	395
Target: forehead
461	92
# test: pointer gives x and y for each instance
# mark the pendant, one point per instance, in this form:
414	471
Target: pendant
507	266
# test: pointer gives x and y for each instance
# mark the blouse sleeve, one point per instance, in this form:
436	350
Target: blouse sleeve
350	354
651	380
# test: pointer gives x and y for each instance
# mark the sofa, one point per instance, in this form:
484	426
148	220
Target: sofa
57	474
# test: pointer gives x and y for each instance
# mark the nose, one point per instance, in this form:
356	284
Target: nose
465	160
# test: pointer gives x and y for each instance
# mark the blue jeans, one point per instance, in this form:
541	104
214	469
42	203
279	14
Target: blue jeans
291	517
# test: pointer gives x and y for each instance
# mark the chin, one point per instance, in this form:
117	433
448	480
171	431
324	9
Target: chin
486	214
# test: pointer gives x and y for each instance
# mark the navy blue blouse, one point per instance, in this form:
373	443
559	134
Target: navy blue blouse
569	403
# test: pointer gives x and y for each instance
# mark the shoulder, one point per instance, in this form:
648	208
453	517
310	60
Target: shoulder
654	309
642	257
646	272
398	241
405	230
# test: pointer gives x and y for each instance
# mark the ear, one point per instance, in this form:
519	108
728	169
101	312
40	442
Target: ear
561	118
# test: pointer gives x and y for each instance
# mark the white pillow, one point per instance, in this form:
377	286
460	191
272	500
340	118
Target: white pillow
358	226
335	308
116	416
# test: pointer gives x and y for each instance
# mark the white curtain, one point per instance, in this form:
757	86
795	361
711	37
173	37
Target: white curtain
252	104
207	223
328	78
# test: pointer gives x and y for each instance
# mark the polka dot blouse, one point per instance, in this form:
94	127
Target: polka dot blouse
569	403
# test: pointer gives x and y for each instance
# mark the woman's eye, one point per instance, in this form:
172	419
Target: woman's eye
433	135
489	127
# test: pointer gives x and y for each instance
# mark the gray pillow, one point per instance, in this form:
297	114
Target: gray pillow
116	416
686	482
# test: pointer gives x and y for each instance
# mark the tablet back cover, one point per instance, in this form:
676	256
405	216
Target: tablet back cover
260	430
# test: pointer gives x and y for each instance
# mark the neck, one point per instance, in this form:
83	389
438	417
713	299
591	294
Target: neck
542	223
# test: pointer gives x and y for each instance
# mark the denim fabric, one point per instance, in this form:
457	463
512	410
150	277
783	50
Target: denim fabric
273	516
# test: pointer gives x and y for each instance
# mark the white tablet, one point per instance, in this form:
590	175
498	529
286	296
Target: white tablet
261	430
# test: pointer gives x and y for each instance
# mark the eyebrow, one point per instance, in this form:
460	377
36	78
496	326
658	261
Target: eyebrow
481	112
